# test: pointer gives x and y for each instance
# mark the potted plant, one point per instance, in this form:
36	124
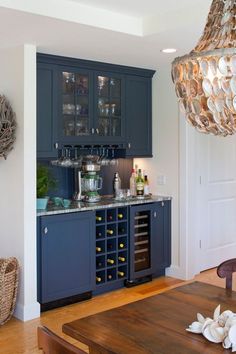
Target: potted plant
45	181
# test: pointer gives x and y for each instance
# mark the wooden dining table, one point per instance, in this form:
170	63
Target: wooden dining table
156	324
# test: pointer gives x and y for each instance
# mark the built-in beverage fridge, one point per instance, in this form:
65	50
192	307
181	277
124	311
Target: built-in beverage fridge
149	249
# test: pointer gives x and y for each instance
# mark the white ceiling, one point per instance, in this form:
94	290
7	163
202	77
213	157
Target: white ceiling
139	8
91	33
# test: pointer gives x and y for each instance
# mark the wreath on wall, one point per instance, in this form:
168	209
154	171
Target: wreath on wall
7	127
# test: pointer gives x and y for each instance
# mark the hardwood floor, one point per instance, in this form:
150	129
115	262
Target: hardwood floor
17	337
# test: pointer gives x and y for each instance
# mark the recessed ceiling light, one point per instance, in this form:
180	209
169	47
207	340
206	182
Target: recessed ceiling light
169	50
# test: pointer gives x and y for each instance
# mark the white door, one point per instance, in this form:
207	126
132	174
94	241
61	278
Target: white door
216	199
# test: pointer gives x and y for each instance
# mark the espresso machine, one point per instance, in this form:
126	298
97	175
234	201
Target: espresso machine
88	182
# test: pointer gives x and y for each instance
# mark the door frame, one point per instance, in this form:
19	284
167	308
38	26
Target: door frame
188	182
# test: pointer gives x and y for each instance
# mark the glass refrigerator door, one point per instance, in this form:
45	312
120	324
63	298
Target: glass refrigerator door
142	221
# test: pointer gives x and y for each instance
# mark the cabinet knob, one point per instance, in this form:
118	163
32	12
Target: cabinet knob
162	204
92	130
97	130
155	214
129	145
56	145
45	230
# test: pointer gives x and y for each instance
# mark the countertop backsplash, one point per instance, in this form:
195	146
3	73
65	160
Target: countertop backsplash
66	184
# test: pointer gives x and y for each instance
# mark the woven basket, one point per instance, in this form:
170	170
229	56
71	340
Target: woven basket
9	272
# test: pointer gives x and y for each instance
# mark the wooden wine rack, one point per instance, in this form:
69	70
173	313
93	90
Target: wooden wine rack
111	246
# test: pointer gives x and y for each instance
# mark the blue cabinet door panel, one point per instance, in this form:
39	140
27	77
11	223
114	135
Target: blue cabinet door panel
67	255
46	111
138	116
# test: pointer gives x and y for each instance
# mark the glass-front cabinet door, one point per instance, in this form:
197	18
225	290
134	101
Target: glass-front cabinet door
109	106
76	106
91	107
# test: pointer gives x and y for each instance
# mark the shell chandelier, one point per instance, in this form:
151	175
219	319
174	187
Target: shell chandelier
205	79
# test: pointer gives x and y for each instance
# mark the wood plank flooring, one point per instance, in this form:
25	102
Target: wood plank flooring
17	337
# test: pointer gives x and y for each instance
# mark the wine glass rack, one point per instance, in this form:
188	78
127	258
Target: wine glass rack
111	246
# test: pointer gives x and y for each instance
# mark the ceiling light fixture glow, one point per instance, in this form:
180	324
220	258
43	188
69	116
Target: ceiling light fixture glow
205	79
169	50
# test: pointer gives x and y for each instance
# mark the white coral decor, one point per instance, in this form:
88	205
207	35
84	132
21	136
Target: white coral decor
220	329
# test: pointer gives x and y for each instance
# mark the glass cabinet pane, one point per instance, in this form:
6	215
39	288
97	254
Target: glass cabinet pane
68	83
103	86
115	87
82	106
75	104
82	84
116	127
69	126
104	126
109	106
82	127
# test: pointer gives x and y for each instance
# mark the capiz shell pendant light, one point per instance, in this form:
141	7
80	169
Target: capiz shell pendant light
205	79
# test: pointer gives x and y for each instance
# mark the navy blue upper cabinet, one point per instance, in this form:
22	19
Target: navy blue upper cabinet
46	110
138	116
93	103
66	255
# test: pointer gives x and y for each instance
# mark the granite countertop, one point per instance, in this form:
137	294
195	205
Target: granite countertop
105	202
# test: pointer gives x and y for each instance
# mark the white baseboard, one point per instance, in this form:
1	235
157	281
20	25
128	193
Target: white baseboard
26	313
177	272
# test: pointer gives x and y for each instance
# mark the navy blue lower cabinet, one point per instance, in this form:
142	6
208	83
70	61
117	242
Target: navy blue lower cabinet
66	256
162	235
150	233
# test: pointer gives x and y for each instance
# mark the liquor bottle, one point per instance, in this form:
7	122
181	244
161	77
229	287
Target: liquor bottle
121	245
110	261
121	259
98	218
116	184
98	279
140	184
110	232
132	183
121	274
146	186
98	249
120	216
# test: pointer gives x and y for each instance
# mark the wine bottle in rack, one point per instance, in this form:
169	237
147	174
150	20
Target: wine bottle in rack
121	259
120	216
121	274
99	234
110	217
99	264
110	261
121	245
98	249
109	277
110	232
98	218
98	279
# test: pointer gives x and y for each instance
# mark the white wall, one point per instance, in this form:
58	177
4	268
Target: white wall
165	161
17	177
